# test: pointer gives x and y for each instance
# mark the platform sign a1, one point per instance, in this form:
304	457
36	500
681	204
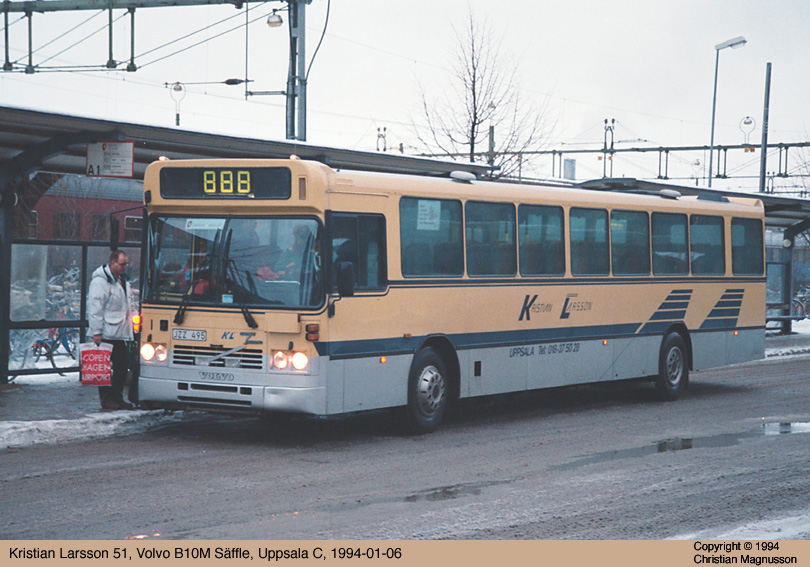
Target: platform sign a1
110	159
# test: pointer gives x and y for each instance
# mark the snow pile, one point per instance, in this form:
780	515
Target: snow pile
91	426
796	526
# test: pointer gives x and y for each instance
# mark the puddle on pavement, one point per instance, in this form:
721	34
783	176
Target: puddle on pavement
682	444
474	489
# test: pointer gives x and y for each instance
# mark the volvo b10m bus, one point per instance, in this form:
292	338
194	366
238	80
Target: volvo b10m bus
287	286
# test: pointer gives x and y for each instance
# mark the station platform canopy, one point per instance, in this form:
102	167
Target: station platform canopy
57	143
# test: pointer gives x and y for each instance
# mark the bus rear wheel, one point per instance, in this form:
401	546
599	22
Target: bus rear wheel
427	392
673	368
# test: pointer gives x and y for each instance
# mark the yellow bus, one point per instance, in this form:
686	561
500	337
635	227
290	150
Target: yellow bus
287	286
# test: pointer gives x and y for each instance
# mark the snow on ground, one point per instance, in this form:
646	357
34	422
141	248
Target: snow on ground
794	526
91	426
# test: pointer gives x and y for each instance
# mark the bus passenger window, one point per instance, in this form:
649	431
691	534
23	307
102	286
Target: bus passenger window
589	242
540	234
630	243
360	240
669	244
746	247
490	229
430	237
706	245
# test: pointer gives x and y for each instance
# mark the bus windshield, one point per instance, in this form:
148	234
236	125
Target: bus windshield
235	261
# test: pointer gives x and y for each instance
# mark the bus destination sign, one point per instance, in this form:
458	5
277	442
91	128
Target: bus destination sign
225	182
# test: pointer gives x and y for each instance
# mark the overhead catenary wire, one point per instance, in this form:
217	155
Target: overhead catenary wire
63	34
142	65
188	35
80	41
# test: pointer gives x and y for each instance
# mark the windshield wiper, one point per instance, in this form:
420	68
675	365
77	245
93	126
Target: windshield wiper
181	310
237	285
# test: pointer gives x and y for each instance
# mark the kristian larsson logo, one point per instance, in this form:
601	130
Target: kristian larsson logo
572	304
531	305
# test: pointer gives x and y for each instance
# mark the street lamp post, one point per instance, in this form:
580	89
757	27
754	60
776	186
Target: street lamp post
733	43
296	91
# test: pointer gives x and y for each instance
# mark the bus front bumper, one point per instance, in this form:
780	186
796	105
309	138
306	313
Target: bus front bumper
168	393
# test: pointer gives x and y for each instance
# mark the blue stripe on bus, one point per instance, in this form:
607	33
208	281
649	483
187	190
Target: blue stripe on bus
668	315
464	341
715	313
674	304
719	323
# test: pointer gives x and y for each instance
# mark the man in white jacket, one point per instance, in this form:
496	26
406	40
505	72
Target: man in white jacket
110	308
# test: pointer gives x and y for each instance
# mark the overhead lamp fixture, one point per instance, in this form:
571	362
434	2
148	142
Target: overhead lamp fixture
274	20
734	43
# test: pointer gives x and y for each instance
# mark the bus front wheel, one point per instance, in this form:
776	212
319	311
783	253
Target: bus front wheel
427	392
673	368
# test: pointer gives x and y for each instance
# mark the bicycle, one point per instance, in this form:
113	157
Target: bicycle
68	339
64	337
800	304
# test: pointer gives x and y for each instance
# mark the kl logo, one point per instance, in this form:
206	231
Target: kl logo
230	335
565	312
528	303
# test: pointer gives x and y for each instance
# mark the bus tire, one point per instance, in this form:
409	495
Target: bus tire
673	368
428	392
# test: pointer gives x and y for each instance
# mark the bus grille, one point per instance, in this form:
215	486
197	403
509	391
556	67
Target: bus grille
250	359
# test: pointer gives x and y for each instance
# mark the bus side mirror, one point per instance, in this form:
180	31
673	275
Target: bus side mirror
345	279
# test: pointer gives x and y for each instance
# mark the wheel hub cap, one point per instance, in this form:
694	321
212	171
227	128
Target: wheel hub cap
430	390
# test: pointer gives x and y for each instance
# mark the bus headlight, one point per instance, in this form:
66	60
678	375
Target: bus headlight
147	352
280	360
299	360
154	352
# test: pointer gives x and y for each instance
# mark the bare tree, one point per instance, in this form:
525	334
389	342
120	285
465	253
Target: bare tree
482	95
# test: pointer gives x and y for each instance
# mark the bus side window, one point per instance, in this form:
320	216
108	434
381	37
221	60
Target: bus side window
540	234
746	247
430	237
630	243
706	245
360	240
669	244
490	229
589	242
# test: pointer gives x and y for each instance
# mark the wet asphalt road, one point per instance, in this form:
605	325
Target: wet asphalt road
582	463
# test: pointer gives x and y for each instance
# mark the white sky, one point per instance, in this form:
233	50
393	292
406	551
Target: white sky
648	65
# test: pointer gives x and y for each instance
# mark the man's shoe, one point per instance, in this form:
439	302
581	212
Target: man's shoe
110	406
124	405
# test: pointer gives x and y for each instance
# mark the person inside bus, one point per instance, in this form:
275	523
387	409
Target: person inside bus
288	263
288	266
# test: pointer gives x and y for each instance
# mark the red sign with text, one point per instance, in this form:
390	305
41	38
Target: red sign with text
96	367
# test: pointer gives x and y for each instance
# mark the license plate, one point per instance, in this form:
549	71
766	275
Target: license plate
188	335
